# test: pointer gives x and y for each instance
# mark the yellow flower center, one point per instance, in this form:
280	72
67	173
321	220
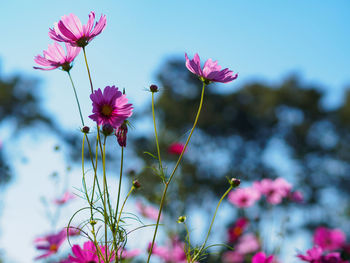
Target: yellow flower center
106	110
53	247
237	231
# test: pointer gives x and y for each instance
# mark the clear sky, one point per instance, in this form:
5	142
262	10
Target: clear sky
259	39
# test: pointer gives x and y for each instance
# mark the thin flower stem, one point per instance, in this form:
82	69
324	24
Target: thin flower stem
156	135
211	224
105	192
76	98
173	172
88	70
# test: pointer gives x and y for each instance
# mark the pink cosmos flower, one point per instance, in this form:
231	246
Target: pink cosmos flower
297	197
260	257
55	57
147	211
50	243
176	148
244	197
232	257
110	107
237	229
211	71
274	190
126	254
248	243
65	198
316	255
88	253
329	239
70	30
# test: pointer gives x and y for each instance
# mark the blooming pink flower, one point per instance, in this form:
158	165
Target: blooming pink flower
274	190
172	253
176	148
50	243
88	253
65	198
244	197
55	57
232	257
70	30
260	257
211	71
237	229
248	243
110	107
329	239
147	211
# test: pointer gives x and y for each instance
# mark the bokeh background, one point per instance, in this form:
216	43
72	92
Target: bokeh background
288	113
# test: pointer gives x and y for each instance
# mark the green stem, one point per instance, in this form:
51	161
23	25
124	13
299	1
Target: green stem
88	70
104	193
173	172
156	135
211	224
76	98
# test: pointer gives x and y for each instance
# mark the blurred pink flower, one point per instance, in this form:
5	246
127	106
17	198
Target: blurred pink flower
248	243
211	70
50	243
274	190
70	30
316	255
88	253
147	211
172	253
244	197
65	198
297	197
329	239
232	257
128	253
55	57
237	229
110	107
260	257
176	148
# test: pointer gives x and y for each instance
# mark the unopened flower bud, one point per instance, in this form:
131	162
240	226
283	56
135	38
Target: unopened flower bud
181	219
85	129
153	88
136	184
234	182
107	129
93	222
121	133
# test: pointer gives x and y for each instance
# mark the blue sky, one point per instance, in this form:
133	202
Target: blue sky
264	40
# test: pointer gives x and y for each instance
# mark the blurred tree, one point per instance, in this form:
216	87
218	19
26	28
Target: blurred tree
236	133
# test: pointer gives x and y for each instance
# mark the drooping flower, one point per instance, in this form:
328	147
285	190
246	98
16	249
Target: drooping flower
147	211
70	30
89	254
55	57
244	197
176	148
237	229
65	198
121	134
329	239
260	257
211	71
50	243
110	107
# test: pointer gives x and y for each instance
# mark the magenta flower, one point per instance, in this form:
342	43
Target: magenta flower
88	253
316	255
297	197
55	57
64	199
110	107
211	71
237	229
121	134
70	30
176	148
147	211
244	197
260	257
50	243
329	239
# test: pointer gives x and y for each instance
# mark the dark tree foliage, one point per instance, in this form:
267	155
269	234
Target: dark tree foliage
236	130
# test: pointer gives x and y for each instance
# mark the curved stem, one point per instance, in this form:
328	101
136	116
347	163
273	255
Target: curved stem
76	98
156	135
173	172
88	70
